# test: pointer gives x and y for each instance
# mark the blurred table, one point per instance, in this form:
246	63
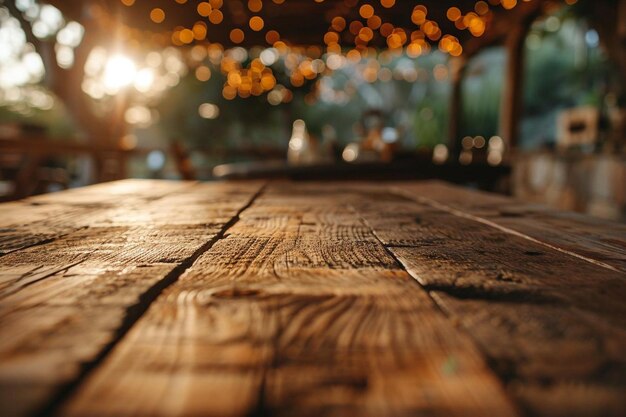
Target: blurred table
405	167
156	298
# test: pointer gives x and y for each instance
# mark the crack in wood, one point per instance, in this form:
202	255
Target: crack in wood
44	241
32	277
133	314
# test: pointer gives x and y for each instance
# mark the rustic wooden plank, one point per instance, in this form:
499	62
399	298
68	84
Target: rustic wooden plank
298	310
113	192
553	325
189	216
597	240
41	219
65	303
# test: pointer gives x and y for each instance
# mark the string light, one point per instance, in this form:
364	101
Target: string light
352	35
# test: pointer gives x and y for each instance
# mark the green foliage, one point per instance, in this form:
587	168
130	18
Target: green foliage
563	70
54	121
431	127
481	92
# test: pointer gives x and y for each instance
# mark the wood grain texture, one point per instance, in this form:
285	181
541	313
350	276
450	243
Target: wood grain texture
552	325
41	219
419	299
64	302
298	310
594	239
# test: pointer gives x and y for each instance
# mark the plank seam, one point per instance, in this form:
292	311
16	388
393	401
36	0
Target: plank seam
459	213
135	312
502	379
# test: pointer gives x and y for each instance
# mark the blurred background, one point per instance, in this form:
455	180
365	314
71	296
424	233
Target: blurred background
526	98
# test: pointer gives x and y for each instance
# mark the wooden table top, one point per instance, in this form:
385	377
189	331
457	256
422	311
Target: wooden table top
157	298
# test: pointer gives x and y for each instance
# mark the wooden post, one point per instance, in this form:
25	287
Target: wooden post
457	66
512	95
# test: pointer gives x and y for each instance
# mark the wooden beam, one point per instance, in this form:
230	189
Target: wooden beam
512	94
458	66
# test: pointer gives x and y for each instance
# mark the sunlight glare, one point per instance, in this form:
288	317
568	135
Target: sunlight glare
119	73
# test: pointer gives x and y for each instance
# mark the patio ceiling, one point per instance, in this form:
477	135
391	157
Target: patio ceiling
305	22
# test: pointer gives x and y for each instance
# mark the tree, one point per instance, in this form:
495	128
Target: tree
65	81
89	68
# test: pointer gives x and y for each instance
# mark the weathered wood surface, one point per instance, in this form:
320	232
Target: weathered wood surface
44	218
590	238
64	302
552	325
340	299
300	310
